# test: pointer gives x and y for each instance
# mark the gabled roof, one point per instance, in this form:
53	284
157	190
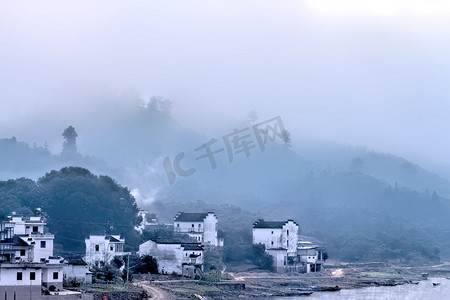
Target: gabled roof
16	241
113	239
190	217
76	261
20	242
193	247
271	224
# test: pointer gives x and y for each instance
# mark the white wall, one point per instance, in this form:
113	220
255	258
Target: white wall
169	256
270	237
187	259
210	230
38	251
47	276
8	276
75	271
279	258
205	230
286	237
104	253
188	226
290	240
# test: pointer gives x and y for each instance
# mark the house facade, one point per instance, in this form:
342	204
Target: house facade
175	257
280	239
311	256
277	234
101	249
76	271
201	226
27	264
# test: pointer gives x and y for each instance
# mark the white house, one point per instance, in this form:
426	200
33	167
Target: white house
27	263
174	256
31	230
275	234
101	249
311	256
280	239
76	271
201	226
52	273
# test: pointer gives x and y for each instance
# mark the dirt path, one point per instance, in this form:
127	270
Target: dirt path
155	293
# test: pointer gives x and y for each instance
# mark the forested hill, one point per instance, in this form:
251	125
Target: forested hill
78	203
376	219
334	191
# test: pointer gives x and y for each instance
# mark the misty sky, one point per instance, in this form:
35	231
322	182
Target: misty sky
365	73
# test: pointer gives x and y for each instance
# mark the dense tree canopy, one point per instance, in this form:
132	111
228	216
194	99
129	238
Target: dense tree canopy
78	203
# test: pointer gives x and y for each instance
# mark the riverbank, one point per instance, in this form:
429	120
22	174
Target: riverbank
251	285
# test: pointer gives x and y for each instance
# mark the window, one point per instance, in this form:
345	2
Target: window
55	275
178	225
287	232
22	252
288	243
272	232
271	242
35	229
43	244
32	276
111	248
19	275
97	248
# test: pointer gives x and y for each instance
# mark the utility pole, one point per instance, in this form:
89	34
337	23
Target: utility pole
128	266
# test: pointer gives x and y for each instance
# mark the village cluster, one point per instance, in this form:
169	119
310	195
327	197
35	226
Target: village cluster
28	266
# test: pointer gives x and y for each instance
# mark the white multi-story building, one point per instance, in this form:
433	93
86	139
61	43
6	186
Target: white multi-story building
174	256
101	249
31	230
201	226
275	234
280	239
27	263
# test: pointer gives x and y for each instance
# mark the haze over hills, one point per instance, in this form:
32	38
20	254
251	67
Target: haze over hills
336	192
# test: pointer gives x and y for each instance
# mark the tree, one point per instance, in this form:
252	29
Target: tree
80	203
261	258
70	142
159	106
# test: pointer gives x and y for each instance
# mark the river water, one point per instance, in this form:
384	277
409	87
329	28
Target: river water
422	291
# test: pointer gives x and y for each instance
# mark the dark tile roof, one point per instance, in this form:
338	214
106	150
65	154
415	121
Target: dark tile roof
271	224
113	239
173	240
76	261
190	217
193	247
